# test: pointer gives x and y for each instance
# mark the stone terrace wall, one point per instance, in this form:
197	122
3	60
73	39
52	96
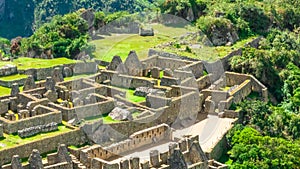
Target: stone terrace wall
153	52
137	140
8	70
181	75
13	126
150	62
94	109
196	68
84	111
171	63
131	81
256	85
77	68
10	83
235	78
204	81
241	92
45	145
180	108
169	81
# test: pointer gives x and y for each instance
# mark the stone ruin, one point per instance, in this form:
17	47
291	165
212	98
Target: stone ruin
31	131
8	69
146	31
144	91
120	114
183	95
60	159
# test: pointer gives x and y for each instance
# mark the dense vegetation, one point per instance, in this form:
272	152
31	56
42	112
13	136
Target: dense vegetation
64	36
29	15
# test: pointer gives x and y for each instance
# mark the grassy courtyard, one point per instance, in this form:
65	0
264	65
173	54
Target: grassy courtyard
130	96
13	77
122	44
6	91
11	140
24	63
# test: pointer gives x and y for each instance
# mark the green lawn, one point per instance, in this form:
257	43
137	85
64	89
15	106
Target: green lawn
14	140
208	53
130	96
6	91
122	44
161	74
106	119
13	77
24	63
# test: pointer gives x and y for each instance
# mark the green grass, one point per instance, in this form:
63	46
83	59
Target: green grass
106	119
77	147
13	77
24	63
6	91
14	140
161	74
122	44
208	53
225	89
130	96
225	50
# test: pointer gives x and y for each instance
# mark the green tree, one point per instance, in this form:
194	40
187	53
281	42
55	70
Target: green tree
66	36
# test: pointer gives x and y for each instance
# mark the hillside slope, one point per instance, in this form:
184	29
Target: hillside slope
20	18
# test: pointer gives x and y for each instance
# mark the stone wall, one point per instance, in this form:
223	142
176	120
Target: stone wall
84	111
220	147
44	145
236	78
135	141
242	91
171	63
13	126
229	114
27	132
76	68
156	102
131	82
169	81
196	68
85	68
177	91
150	62
94	109
185	154
9	84
153	52
8	70
204	81
181	75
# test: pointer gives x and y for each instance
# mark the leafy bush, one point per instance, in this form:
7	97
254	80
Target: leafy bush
252	150
208	23
65	35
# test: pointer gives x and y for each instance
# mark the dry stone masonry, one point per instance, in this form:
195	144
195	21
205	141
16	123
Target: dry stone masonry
110	124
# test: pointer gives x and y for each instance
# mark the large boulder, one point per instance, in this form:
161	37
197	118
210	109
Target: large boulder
223	34
120	114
